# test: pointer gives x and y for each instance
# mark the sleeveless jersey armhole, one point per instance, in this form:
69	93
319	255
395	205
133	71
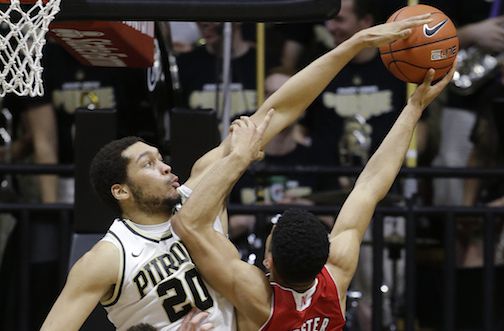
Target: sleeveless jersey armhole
272	310
112	238
337	289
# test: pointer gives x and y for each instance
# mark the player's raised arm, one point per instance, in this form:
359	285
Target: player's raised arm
291	100
214	255
375	181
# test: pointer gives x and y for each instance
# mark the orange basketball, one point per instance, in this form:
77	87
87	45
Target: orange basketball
434	45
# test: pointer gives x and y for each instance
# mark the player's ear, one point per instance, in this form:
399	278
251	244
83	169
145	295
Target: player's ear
268	262
120	192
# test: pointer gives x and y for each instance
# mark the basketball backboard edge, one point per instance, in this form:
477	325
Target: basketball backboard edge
200	10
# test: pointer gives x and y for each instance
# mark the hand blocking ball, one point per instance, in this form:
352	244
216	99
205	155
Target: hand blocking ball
434	45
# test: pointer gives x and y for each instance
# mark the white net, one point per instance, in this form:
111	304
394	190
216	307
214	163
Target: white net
21	41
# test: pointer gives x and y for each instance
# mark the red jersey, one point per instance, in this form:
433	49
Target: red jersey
316	309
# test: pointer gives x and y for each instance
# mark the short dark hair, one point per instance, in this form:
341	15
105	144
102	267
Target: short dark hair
142	327
299	246
109	167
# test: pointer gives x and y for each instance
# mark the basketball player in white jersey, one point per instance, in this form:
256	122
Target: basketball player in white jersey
141	272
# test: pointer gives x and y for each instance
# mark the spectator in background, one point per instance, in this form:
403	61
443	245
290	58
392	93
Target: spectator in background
201	71
184	35
301	43
480	25
36	132
36	142
469	135
364	88
487	151
33	138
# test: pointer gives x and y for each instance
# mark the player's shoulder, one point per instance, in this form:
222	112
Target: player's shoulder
104	250
102	253
101	262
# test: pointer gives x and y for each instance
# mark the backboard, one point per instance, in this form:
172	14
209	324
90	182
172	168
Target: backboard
200	10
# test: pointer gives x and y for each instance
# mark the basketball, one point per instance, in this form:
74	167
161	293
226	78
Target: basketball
434	45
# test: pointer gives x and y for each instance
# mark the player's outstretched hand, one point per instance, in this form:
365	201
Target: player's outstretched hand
195	321
426	92
246	137
386	33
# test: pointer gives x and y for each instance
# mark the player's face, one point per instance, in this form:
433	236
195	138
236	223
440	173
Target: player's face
210	31
346	24
152	185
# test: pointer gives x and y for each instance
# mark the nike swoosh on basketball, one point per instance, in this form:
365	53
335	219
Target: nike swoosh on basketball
429	32
137	255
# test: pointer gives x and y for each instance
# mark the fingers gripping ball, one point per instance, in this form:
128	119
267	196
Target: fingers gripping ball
433	45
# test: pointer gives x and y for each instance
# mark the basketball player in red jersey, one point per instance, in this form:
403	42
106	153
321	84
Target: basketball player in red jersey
310	272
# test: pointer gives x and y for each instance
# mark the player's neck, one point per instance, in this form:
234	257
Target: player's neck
298	287
144	218
366	55
301	287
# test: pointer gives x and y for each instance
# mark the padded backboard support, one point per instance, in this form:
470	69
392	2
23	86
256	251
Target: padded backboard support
188	145
93	129
200	10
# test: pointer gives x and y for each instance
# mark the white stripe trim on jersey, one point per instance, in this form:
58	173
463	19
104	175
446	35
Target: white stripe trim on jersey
337	289
315	283
272	308
120	275
297	294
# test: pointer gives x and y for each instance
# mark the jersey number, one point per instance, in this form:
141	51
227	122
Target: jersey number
176	304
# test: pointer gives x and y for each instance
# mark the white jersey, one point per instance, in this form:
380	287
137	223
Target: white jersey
158	283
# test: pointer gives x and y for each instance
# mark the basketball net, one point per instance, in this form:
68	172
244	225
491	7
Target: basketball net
22	37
